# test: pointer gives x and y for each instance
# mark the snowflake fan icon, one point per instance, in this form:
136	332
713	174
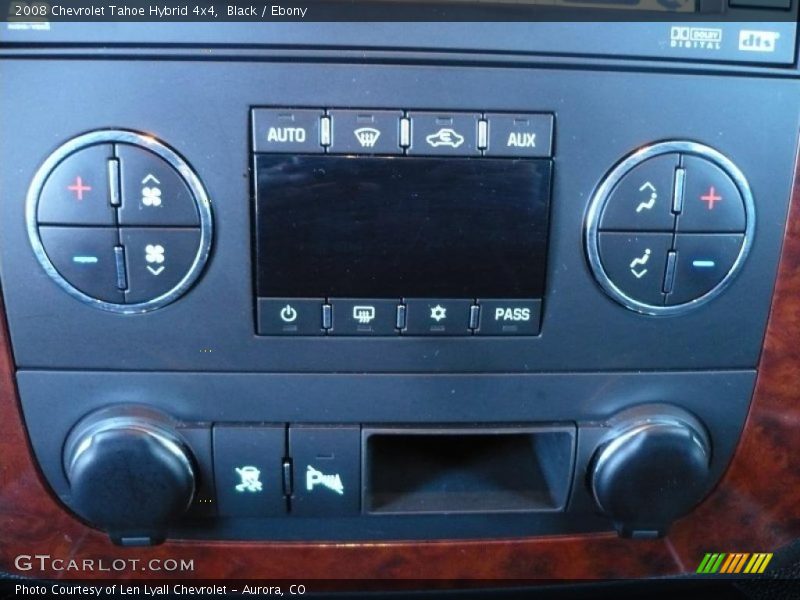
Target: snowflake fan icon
154	253
151	196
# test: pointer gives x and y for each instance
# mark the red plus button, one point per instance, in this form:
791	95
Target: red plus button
711	197
78	188
713	202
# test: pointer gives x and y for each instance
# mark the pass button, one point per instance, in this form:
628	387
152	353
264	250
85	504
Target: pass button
509	317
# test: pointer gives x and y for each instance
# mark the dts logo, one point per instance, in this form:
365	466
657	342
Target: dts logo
512	314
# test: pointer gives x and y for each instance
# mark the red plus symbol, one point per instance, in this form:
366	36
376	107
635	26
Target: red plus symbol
711	197
78	187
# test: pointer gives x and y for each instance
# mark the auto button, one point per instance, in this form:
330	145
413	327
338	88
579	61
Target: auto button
287	130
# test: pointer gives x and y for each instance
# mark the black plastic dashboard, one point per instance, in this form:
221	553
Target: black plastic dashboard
292	435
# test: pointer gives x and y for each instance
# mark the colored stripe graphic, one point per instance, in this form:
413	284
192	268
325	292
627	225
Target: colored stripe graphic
711	563
758	563
734	562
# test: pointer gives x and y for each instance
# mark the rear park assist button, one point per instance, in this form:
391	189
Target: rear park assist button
509	317
290	316
327	468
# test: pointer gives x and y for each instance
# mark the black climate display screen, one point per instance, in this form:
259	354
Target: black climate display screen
372	227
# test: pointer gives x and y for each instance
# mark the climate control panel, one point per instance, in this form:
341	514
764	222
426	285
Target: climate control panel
119	221
669	227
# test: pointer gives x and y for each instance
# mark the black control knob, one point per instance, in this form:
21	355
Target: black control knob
652	468
130	473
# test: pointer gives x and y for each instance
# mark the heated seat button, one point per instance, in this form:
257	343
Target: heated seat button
364	317
157	259
78	190
84	256
509	317
711	201
287	130
365	132
703	261
635	263
327	468
290	316
642	200
248	470
453	134
519	135
152	191
437	317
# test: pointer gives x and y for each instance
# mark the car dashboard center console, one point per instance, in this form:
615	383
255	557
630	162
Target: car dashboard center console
282	291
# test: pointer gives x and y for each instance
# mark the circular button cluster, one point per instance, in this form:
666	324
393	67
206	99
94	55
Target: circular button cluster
119	221
669	227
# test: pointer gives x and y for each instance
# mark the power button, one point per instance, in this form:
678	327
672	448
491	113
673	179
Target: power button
290	316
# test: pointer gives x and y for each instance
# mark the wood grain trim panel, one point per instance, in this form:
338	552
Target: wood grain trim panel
754	508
